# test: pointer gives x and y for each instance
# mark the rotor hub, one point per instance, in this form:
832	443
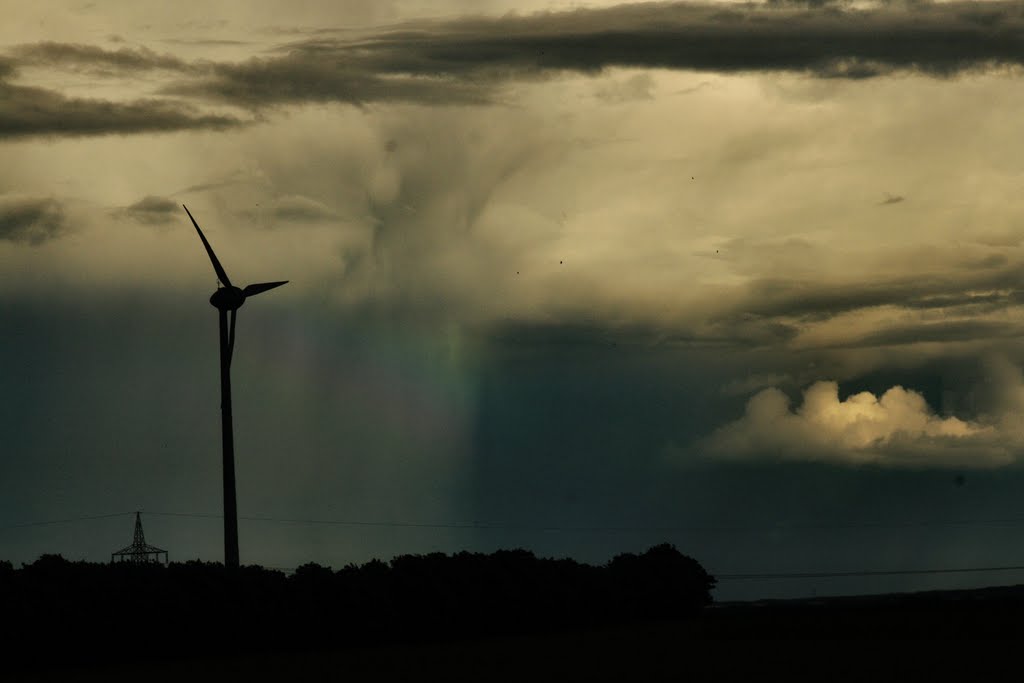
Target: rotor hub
227	298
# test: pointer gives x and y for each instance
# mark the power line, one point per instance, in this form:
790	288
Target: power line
717	528
68	520
818	575
862	573
1009	521
410	525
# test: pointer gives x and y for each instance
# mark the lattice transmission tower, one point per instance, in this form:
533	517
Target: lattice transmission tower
139	551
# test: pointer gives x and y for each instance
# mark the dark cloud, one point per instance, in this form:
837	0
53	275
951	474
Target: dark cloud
92	58
463	61
151	210
307	76
942	332
960	300
960	285
821	38
28	220
27	111
7	67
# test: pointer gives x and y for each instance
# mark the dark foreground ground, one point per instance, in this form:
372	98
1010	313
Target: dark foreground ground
954	635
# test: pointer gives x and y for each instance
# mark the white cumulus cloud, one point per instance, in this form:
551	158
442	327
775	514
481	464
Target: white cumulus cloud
897	428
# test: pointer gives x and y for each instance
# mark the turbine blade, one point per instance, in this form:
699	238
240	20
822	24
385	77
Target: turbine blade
219	269
252	290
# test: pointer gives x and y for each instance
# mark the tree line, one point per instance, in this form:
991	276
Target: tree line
201	607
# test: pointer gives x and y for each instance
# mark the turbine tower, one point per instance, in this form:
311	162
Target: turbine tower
227	300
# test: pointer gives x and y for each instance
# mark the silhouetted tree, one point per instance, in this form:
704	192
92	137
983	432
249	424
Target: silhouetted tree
661	582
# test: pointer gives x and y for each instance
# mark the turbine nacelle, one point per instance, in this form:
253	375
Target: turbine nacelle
227	299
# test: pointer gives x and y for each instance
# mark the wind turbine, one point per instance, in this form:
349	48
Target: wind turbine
227	300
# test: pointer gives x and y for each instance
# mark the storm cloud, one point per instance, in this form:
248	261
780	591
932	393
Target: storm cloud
468	60
828	39
459	60
29	111
95	59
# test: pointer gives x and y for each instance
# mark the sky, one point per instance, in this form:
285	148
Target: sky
579	277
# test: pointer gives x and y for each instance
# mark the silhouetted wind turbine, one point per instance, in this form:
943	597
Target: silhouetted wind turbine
228	299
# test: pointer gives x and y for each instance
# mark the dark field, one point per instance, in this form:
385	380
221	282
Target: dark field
894	637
